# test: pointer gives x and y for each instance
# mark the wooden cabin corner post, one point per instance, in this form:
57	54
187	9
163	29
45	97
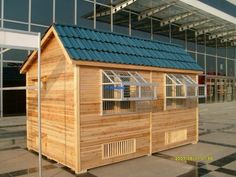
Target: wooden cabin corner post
197	116
77	118
150	124
164	91
27	115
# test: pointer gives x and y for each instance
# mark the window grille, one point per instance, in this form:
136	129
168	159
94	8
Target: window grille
126	91
183	86
126	85
118	148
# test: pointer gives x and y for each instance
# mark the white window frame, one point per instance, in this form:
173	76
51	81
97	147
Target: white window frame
134	79
186	82
139	81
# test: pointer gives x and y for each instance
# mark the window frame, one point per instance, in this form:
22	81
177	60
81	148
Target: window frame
134	79
190	88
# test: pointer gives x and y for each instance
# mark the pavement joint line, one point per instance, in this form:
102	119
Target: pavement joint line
10	148
216	123
221	130
224	160
27	171
196	172
220	144
35	169
226	171
10	126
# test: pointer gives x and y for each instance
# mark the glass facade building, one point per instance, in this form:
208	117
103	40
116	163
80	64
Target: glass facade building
217	58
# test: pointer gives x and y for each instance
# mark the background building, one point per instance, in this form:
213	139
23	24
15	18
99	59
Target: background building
209	38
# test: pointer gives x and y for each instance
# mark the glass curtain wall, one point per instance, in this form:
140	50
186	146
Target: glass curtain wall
217	59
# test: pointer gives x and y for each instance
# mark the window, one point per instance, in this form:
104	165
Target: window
126	91
221	66
20	8
37	8
201	61
211	65
182	91
65	11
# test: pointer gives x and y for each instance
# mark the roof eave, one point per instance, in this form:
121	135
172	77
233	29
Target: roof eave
133	67
25	66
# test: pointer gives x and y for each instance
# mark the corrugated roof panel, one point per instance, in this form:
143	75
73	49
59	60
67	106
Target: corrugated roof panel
92	45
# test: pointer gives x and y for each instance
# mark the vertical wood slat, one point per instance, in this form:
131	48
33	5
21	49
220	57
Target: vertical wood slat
118	148
77	118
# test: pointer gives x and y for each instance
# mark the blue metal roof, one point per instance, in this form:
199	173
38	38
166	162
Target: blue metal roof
92	45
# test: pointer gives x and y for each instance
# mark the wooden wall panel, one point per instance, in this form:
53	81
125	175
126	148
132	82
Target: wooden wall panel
147	128
172	120
57	106
97	129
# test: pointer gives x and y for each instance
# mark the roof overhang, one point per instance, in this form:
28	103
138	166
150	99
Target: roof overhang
184	14
211	10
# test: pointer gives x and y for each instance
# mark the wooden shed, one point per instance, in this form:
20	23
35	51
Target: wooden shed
108	97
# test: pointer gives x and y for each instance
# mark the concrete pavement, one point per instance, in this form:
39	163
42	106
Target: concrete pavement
217	128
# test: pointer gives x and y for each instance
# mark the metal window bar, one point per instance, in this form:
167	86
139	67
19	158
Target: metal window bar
126	85
183	86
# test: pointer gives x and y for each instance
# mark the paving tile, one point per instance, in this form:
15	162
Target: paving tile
220	137
201	150
148	166
209	167
227	171
225	160
197	172
17	160
57	172
217	174
231	166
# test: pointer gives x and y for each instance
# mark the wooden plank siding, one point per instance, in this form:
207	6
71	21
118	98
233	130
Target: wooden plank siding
97	129
57	106
146	128
172	120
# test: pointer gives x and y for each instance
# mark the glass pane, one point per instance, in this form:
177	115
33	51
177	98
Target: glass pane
211	46
20	8
211	65
104	22
85	11
15	55
221	66
15	26
231	67
200	61
121	22
221	51
177	36
65	11
39	6
191	44
231	52
42	30
107	2
193	55
12	76
14	102
201	43
1	7
161	33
